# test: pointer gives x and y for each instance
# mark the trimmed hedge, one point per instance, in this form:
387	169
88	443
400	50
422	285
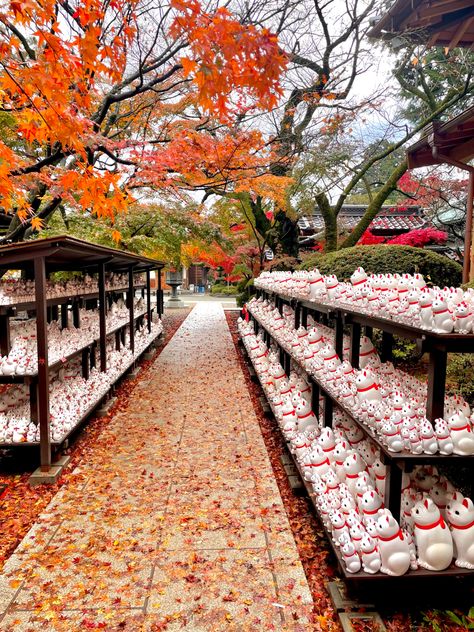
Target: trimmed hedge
436	269
230	290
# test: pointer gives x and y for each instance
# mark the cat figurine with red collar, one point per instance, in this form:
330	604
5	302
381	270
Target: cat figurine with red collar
316	284
307	420
351	557
433	539
327	442
367	351
353	465
461	434
367	387
460	515
464	318
371	505
393	546
371	561
442	318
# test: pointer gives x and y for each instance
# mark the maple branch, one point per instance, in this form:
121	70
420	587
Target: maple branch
29	51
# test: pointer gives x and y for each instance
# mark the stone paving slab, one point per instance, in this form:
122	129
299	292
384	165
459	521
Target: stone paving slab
178	523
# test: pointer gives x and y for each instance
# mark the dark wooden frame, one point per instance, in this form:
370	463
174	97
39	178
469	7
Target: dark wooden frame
38	259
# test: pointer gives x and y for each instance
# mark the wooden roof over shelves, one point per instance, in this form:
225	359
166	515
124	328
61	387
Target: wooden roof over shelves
69	253
448	23
454	139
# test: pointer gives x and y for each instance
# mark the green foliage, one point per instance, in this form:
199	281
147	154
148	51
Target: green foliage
437	269
152	230
440	620
459	373
247	293
228	290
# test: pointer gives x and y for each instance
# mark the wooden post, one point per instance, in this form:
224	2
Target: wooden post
369	331
76	317
64	315
468	267
33	389
43	363
387	346
393	488
339	335
304	316
117	340
159	296
5	334
131	307
297	315
102	318
436	384
315	397
287	363
328	410
86	363
148	300
355	345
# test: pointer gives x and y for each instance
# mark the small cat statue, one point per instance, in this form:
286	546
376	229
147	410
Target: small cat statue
367	388
393	546
433	539
461	434
463	318
351	557
460	515
442	317
306	418
371	505
443	436
371	561
316	284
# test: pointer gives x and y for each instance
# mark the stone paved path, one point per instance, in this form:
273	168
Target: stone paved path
175	521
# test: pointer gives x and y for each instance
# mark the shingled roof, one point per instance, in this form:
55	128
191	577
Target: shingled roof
391	221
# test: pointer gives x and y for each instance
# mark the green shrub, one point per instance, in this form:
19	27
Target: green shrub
466	286
247	293
460	372
230	290
436	269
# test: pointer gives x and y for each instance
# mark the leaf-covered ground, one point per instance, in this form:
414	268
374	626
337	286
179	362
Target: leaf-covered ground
171	518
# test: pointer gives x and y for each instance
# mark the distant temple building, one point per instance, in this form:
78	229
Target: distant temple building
390	222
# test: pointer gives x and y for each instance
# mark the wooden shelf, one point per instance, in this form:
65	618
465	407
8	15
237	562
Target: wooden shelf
404	455
54	366
86	414
362	576
13	308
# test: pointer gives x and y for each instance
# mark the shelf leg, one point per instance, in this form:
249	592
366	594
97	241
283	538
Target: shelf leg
55	312
131	307
92	356
304	316
297	315
33	388
317	316
393	488
102	318
255	326
315	397
282	357
339	335
355	345
287	363
159	295
328	410
64	315
85	363
387	347
76	316
43	364
5	335
436	384
148	300
369	331
117	340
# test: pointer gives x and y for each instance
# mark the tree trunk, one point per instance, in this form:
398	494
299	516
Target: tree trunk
374	207
330	222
